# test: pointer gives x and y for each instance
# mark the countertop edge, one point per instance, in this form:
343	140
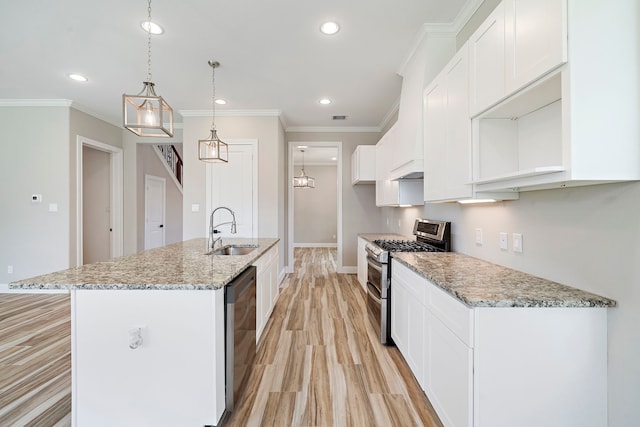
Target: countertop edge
587	300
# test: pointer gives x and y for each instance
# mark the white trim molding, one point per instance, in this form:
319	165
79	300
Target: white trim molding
35	103
231	113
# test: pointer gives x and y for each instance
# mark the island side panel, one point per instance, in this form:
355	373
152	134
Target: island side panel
540	367
175	376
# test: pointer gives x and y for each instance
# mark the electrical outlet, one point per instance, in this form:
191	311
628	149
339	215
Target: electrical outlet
9	269
478	236
503	241
517	242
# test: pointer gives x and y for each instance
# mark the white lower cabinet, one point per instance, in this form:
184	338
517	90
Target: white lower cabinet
362	263
501	366
267	289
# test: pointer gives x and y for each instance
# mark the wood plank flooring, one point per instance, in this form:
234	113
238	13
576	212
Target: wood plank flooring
35	360
318	364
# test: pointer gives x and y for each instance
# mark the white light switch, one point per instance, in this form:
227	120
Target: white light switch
503	241
517	242
478	236
195	207
9	269
53	207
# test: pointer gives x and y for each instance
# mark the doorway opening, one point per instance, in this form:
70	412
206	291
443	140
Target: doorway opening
325	229
110	194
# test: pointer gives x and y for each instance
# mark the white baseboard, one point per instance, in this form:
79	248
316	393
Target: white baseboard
315	245
4	289
282	275
349	270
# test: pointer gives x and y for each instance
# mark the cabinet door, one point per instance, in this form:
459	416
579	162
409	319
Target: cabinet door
362	263
415	338
487	62
399	316
273	280
448	373
535	39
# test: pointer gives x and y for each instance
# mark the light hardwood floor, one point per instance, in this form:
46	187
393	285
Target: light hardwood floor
318	363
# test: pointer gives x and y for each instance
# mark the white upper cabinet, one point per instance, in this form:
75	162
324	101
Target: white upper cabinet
447	136
575	125
363	165
394	192
430	55
519	42
486	48
535	39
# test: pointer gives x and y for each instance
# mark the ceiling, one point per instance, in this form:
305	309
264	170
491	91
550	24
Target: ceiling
274	59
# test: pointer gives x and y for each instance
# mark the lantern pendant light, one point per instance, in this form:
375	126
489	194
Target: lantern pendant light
212	149
303	181
147	114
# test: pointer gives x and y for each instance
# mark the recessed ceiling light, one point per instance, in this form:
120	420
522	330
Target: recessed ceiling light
155	28
78	77
329	28
221	101
325	101
334	158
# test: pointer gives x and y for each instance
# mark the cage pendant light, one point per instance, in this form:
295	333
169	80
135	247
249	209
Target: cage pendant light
212	149
147	114
303	180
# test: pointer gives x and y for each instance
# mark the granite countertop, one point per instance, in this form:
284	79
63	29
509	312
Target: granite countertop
178	266
479	283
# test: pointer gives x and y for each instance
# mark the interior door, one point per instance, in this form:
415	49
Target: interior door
232	185
154	208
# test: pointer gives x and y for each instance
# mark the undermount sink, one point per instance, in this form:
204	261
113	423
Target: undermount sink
232	250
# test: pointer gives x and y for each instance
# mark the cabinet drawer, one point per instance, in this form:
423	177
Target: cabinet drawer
412	282
452	313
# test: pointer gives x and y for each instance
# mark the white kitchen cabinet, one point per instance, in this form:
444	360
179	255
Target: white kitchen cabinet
363	165
563	130
486	50
362	263
389	192
407	323
519	42
267	289
501	366
406	161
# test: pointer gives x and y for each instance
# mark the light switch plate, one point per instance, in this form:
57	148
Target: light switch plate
517	242
504	245
478	236
195	207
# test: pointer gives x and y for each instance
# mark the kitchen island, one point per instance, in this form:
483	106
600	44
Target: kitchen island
492	346
147	333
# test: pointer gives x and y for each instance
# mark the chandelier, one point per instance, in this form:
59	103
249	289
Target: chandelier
212	149
303	180
147	114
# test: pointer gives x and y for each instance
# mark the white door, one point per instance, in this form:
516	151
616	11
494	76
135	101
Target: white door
154	206
232	185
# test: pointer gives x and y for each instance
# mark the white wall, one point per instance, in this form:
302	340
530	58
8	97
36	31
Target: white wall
96	205
359	211
315	210
268	132
585	237
152	165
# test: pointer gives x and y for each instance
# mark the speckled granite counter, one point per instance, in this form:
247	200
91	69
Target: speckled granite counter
181	265
479	283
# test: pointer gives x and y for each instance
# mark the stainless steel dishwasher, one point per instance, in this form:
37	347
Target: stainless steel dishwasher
240	334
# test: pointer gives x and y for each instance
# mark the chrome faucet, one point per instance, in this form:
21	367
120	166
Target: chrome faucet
211	243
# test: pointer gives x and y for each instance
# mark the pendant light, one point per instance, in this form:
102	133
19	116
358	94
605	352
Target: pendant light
303	181
213	149
147	114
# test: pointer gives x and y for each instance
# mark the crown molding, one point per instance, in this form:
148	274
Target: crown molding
329	129
450	29
231	113
35	103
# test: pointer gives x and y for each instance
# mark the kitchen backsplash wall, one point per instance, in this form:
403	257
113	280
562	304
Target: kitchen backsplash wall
585	237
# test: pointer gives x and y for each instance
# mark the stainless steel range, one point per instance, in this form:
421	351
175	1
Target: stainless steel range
431	236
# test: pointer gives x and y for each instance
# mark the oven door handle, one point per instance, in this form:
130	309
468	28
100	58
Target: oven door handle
375	265
373	293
